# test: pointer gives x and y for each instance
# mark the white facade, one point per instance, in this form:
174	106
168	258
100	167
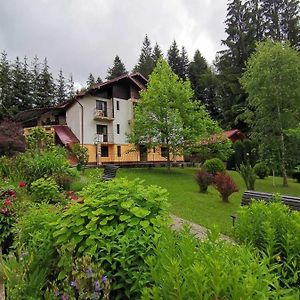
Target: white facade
116	118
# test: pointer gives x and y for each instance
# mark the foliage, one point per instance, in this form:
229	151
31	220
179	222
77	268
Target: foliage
225	185
85	281
5	166
117	69
214	166
261	170
249	175
12	140
167	117
61	89
296	174
204	179
45	190
116	225
81	154
274	230
186	268
39	140
272	80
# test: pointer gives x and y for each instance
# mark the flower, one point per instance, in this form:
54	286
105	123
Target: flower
7	202
64	297
22	184
73	197
56	293
73	284
12	193
89	272
104	278
97	286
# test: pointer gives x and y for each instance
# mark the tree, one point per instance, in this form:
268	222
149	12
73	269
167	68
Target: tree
98	80
272	80
35	74
157	54
70	88
91	81
145	63
184	64
174	59
167	116
61	90
117	69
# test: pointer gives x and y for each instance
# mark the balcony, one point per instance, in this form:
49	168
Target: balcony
103	114
104	138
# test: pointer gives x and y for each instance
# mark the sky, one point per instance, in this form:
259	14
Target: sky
83	36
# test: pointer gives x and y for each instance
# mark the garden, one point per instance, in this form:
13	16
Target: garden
65	234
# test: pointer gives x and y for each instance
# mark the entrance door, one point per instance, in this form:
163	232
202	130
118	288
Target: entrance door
143	153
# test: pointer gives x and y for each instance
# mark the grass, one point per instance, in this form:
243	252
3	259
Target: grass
204	209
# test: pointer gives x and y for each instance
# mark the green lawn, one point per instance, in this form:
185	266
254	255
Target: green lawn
204	209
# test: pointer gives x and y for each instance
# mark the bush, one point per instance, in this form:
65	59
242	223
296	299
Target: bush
81	154
214	166
225	186
274	230
117	225
204	179
186	268
5	166
45	190
248	175
261	170
296	174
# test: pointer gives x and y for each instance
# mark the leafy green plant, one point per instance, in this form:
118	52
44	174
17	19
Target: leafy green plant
214	166
5	166
39	140
117	225
45	190
296	174
186	268
261	170
81	154
204	179
274	230
248	175
225	185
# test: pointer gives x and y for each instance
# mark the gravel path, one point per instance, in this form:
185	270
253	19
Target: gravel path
199	231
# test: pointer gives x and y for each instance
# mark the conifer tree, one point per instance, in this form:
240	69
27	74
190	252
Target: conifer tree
17	81
145	63
61	90
26	87
117	69
98	80
70	88
184	64
174	59
35	74
91	81
157	54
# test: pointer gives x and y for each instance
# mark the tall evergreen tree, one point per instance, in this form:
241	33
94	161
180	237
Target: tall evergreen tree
61	90
90	81
145	63
174	59
35	80
26	87
5	86
156	54
98	80
70	88
184	64
117	69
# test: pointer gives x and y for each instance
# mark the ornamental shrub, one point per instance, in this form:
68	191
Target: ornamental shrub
248	175
225	185
45	190
204	179
186	268
117	225
261	170
81	154
214	166
274	230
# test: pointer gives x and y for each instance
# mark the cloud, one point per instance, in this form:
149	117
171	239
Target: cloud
83	36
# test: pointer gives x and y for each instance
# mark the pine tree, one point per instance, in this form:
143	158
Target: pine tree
5	86
184	64
98	80
117	69
145	63
61	90
91	81
156	54
35	74
17	81
70	88
174	59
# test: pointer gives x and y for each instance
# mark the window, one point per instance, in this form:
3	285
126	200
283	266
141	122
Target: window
119	151
164	151
118	128
102	105
118	105
102	129
104	151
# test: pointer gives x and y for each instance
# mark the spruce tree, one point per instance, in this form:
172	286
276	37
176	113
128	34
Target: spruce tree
26	87
156	54
98	80
184	64
145	63
61	89
174	59
35	73
17	92
90	81
117	69
70	88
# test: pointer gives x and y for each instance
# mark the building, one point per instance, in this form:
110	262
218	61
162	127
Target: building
100	119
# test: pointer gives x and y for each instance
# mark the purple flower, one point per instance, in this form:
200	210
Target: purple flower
97	286
64	297
89	272
56	293
104	278
73	284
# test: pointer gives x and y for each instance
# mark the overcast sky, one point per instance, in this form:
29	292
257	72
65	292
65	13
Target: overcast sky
83	36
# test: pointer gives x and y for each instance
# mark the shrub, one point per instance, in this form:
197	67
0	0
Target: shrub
5	166
296	174
81	154
214	166
45	190
261	170
204	179
39	140
117	225
274	230
248	175
225	186
186	268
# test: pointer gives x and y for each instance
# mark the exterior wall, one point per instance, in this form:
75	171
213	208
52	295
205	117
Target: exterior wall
73	118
